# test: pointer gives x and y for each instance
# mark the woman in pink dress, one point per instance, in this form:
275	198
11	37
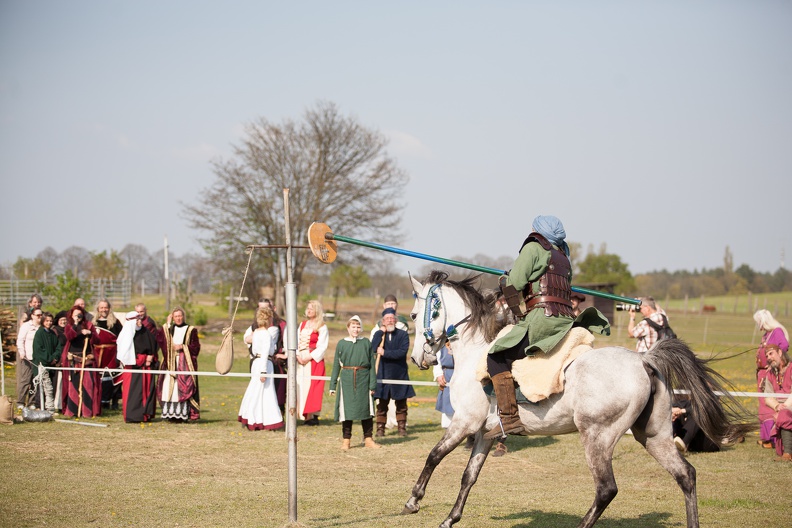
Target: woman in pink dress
775	337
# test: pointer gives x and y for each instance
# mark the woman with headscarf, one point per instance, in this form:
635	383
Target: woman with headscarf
136	348
541	277
775	337
82	392
312	341
179	394
259	409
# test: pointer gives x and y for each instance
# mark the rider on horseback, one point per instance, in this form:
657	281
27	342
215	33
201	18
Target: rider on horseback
540	278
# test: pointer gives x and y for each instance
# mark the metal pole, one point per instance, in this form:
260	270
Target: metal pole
474	267
167	280
291	351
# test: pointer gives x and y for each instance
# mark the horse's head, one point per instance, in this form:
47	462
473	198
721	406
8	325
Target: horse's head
433	327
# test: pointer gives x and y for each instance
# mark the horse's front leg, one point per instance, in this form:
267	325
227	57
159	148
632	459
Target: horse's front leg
451	439
469	477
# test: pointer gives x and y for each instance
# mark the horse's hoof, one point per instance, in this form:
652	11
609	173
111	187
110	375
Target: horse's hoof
408	509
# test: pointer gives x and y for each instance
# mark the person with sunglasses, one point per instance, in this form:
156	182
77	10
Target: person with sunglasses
24	364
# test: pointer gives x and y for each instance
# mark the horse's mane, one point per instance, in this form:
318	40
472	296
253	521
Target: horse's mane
483	310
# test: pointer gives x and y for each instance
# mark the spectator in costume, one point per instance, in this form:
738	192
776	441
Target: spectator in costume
775	336
312	341
443	371
24	365
277	329
46	354
688	436
179	394
355	378
107	329
79	301
60	324
148	322
390	301
82	393
778	380
392	345
136	349
259	409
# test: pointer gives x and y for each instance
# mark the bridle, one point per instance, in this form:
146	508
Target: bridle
433	303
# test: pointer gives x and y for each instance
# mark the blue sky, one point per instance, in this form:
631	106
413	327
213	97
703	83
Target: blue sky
662	129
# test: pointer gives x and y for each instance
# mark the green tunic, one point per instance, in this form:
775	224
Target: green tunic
544	332
45	349
353	400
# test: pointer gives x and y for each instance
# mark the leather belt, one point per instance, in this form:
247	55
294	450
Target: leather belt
354	373
545	299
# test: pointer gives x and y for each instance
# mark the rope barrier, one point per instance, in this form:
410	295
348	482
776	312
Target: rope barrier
327	378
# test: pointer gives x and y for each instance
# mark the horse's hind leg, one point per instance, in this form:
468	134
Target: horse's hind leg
662	448
599	445
469	477
451	439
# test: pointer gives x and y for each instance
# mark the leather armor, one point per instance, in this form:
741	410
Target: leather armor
555	288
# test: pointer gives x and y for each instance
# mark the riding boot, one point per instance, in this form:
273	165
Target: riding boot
401	421
402	427
510	423
382	419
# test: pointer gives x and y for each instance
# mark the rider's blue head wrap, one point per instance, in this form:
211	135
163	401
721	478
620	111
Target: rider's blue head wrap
552	229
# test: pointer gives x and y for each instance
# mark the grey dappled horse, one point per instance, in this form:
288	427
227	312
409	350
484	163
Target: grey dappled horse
607	391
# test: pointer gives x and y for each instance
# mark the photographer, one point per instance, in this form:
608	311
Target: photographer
646	335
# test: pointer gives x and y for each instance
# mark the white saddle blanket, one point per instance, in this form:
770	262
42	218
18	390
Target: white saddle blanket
542	374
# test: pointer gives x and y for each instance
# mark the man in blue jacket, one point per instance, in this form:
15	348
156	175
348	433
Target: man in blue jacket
391	345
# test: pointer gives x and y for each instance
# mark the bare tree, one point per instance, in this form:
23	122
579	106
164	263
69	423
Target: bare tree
76	259
338	172
51	257
140	265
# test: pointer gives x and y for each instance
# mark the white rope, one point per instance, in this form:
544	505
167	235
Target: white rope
389	381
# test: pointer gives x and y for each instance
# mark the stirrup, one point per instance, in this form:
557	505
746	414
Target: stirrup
497	430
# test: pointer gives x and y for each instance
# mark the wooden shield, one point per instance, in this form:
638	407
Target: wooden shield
322	248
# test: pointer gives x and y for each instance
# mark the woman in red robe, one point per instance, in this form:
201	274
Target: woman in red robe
82	391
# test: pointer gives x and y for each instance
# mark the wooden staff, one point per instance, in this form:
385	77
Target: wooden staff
82	373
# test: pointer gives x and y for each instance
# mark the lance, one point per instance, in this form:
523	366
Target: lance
322	242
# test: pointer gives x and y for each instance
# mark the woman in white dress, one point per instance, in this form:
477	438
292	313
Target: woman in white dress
259	409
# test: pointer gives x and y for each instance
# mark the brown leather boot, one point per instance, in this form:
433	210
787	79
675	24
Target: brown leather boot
402	427
370	443
382	419
345	444
510	423
401	421
500	450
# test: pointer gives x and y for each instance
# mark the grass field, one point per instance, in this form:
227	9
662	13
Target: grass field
214	473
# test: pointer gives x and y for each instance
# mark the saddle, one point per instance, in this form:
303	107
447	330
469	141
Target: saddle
542	375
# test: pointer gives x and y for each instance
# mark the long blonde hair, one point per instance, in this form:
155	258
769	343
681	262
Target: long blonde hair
765	321
318	321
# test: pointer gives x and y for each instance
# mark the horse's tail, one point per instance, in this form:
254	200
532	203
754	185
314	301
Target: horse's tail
722	418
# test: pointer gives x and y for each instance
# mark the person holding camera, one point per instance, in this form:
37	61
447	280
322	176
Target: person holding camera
643	331
82	392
